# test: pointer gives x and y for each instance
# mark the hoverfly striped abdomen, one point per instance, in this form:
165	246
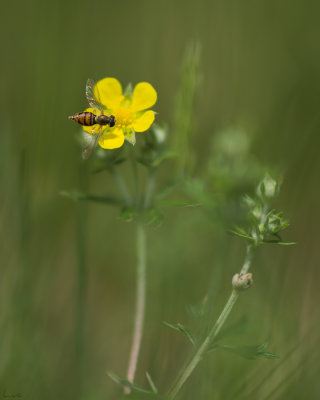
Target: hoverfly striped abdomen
85	118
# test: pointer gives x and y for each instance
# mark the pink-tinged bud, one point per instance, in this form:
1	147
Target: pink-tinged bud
242	281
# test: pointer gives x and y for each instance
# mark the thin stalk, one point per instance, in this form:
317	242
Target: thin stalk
140	304
204	347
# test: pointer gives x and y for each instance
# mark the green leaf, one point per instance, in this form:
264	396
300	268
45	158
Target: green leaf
181	328
78	196
241	233
128	213
249	352
125	383
152	160
151	383
196	313
166	190
279	242
154	217
165	156
179	203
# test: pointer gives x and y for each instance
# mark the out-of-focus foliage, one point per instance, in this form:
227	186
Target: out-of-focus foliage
255	107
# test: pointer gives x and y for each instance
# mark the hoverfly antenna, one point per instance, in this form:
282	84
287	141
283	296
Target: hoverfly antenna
71	117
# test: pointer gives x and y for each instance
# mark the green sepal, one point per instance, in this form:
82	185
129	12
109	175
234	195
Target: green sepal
130	136
128	91
181	328
268	188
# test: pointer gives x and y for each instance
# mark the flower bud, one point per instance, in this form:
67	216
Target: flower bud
242	281
268	187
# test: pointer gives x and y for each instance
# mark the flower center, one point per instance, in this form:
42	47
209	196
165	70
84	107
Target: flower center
123	117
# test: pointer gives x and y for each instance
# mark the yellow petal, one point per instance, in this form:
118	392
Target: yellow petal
109	91
144	122
93	129
144	96
112	139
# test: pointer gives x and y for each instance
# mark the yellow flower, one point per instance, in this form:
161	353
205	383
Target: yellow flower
129	111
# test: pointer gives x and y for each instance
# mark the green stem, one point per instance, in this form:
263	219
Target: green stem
204	347
121	185
248	259
135	177
150	188
81	240
140	304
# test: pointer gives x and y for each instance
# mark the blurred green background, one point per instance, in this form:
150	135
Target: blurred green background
259	69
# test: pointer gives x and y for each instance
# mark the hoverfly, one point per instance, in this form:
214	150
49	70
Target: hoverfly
87	118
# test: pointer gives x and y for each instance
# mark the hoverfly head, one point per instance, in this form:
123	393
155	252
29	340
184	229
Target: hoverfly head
112	121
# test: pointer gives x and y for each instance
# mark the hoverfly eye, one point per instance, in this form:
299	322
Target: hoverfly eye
112	121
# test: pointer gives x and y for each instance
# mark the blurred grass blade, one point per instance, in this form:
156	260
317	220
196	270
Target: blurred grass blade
184	106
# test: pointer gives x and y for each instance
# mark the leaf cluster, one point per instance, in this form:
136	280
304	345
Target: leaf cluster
265	223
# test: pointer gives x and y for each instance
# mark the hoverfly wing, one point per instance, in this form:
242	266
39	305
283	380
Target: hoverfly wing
93	100
90	143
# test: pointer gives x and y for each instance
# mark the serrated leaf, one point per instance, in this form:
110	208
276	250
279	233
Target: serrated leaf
151	383
249	352
181	328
